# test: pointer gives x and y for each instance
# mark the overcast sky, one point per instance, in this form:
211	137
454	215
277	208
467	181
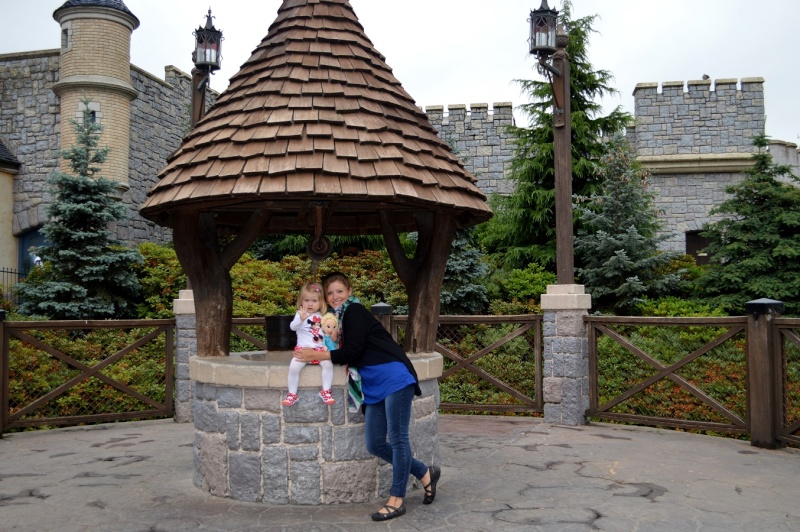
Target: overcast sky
471	51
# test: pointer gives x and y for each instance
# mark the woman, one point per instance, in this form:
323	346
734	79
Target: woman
388	382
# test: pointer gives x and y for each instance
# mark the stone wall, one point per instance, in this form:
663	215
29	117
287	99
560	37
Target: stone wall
478	136
698	120
31	122
251	448
697	138
159	120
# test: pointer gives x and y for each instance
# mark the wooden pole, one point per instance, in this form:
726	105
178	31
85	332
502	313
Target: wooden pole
562	138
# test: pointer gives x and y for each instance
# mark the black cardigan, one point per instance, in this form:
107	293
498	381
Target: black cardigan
368	343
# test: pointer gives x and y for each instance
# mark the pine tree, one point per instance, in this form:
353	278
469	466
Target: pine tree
755	249
87	272
523	228
464	288
618	240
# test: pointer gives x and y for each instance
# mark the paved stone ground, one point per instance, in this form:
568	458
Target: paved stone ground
499	473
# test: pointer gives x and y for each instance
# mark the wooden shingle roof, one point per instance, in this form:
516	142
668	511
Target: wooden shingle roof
316	115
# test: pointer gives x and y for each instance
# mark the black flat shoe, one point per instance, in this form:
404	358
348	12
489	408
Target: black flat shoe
430	489
391	514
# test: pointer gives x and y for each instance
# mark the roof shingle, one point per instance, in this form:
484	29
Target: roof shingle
316	114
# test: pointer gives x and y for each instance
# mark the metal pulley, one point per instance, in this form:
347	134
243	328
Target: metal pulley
319	247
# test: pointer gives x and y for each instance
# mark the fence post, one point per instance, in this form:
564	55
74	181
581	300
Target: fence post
565	385
4	377
763	360
383	313
186	340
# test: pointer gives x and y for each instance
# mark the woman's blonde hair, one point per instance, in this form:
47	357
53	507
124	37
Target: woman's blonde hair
312	289
336	276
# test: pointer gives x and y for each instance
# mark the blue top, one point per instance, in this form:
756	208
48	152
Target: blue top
380	381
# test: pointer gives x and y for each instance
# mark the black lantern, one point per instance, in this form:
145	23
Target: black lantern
207	47
544	22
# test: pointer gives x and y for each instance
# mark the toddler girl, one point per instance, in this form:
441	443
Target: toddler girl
307	324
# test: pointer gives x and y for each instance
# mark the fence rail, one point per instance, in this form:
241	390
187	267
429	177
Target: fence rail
690	373
67	373
788	341
640	367
465	351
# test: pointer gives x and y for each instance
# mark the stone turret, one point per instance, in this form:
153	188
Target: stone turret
95	64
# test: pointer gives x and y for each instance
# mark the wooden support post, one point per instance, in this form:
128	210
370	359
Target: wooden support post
764	409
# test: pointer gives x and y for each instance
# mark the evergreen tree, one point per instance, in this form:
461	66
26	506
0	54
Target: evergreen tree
523	228
87	273
755	250
618	239
464	288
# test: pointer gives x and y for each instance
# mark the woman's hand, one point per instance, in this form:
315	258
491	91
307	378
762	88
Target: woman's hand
307	355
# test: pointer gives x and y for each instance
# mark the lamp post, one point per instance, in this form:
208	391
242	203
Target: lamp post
548	41
207	59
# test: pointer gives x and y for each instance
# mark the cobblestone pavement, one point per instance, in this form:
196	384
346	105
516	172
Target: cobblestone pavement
499	473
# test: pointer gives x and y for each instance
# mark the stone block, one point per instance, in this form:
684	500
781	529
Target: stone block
551	389
305	487
229	422
275	471
214	464
303	453
423	407
270	429
348	443
570	323
309	408
245	476
229	397
300	434
250	432
263	399
206	417
348	483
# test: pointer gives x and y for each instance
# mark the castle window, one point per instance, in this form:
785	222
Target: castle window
695	246
95	115
66	37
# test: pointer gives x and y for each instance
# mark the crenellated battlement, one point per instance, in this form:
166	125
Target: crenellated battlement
698	116
478	136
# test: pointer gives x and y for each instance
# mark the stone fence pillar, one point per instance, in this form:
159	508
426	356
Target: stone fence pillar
186	338
566	354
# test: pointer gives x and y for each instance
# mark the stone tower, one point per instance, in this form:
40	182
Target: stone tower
95	64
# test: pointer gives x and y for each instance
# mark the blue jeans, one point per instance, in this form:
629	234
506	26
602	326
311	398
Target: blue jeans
386	428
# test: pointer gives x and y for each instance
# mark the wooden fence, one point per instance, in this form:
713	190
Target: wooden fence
55	358
732	375
467	350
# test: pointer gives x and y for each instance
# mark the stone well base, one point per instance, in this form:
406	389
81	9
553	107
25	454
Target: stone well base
249	447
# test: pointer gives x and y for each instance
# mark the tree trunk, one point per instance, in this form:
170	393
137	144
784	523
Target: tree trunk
422	275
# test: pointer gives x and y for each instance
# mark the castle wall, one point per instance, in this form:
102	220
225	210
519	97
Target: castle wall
698	120
31	122
478	136
159	120
696	140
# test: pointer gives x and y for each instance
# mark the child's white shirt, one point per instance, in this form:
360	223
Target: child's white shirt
309	331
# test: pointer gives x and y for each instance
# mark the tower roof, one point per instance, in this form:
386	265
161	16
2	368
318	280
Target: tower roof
117	5
315	114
